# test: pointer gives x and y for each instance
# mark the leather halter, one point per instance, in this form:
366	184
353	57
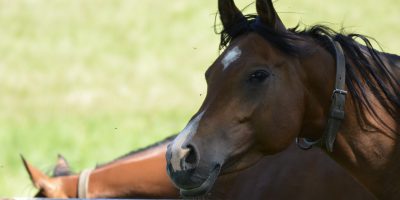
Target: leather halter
83	183
336	114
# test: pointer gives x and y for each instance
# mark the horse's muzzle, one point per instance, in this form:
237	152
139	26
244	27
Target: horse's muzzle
185	173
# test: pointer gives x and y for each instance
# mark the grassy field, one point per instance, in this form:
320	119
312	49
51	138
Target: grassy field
95	79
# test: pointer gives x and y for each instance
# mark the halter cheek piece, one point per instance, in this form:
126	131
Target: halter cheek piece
336	114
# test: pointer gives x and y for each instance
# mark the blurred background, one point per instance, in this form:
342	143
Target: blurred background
95	79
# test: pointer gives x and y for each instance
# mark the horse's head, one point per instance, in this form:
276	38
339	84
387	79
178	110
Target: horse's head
256	99
51	187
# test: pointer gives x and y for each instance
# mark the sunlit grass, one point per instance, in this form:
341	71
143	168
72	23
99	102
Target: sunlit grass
95	79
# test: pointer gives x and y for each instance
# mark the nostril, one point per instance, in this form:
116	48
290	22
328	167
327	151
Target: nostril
192	158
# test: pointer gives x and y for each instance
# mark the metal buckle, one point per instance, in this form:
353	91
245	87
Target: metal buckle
339	91
307	144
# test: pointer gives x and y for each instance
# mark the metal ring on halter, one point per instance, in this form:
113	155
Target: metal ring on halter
306	144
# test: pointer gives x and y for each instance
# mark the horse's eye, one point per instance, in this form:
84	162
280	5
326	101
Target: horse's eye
258	76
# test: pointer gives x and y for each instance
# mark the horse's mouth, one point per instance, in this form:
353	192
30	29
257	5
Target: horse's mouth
205	187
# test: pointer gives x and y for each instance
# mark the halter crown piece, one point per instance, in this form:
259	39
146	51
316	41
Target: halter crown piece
83	183
336	114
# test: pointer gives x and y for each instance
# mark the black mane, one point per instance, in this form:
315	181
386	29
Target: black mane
368	70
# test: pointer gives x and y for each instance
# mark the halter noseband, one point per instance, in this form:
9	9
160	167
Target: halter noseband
336	114
83	183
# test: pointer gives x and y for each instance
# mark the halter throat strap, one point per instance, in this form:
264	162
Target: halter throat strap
336	113
83	183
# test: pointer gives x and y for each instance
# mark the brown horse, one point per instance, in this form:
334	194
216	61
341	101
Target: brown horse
137	174
272	85
142	174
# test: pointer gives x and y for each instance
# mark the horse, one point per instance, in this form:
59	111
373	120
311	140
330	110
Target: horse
142	174
272	85
139	174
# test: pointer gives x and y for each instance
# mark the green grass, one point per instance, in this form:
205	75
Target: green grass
95	79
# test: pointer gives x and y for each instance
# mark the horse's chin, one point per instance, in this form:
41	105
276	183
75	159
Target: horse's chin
231	168
205	187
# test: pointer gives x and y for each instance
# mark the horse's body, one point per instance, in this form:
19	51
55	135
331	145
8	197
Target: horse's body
272	85
143	174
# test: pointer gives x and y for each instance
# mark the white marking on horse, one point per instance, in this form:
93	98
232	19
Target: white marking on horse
177	149
231	56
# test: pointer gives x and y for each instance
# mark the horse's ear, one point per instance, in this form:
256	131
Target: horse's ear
38	178
229	13
268	15
62	167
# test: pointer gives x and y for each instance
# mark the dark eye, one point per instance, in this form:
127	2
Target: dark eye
258	76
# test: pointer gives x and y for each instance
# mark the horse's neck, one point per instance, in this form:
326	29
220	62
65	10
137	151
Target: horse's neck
368	151
139	175
371	157
368	145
